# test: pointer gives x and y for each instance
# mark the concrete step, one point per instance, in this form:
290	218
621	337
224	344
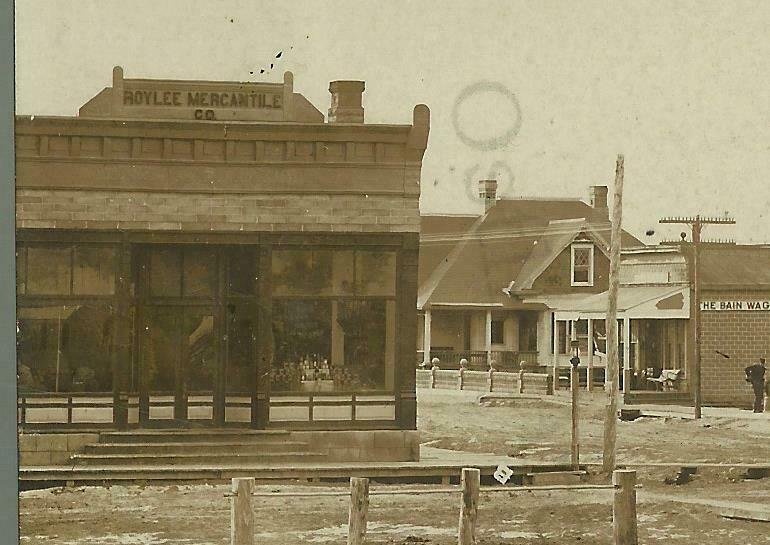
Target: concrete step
192	436
188	459
189	447
554	478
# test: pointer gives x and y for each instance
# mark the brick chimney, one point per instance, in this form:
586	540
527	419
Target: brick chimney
598	196
346	102
488	192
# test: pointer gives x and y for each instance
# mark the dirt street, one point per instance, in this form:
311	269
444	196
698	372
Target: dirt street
685	514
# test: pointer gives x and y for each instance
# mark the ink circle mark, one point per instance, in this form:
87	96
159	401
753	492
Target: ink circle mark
495	142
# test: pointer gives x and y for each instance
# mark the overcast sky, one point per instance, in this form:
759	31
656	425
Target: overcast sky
559	88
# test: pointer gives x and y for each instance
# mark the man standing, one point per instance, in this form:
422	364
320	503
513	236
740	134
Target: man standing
755	374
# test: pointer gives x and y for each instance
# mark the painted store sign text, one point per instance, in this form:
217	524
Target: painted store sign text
735	305
198	99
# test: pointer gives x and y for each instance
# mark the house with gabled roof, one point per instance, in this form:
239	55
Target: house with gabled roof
489	285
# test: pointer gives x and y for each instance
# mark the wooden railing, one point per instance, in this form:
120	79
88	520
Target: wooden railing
71	408
325	407
243	522
505	360
480	381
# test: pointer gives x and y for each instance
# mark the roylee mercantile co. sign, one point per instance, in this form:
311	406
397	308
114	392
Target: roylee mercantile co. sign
735	305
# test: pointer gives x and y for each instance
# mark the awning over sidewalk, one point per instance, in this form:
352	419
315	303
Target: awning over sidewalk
636	302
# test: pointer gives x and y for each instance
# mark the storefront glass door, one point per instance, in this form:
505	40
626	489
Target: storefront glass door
197	335
179	365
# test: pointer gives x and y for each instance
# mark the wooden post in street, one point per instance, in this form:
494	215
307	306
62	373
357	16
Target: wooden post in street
241	513
590	369
471	482
611	413
697	224
624	529
359	507
574	384
575	446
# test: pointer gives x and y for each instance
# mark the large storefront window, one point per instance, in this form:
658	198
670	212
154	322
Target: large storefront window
65	317
67	270
65	348
333	321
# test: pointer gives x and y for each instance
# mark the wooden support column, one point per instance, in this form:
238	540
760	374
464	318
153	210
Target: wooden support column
626	355
406	336
260	388
590	368
121	357
555	350
221	344
488	336
426	338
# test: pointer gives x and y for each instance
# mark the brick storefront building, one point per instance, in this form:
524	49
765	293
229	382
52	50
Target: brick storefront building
198	253
735	314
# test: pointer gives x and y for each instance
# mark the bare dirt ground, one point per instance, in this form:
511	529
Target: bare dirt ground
668	514
541	428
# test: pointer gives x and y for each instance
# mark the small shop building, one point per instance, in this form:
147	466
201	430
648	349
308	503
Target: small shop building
655	310
217	254
735	319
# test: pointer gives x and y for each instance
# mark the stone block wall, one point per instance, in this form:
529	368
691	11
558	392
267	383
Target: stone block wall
363	446
50	449
201	212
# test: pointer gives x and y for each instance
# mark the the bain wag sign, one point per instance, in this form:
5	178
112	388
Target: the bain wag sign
735	305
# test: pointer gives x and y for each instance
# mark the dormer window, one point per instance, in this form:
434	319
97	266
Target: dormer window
582	265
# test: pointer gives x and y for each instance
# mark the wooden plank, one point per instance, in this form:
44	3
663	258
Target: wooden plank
755	515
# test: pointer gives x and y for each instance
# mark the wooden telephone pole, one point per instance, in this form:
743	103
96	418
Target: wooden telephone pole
611	415
696	224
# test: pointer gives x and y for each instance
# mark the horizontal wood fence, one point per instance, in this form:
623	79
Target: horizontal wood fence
478	360
624	520
485	381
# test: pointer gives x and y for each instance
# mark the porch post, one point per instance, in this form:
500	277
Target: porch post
626	354
406	331
121	355
260	382
590	369
488	335
426	338
555	326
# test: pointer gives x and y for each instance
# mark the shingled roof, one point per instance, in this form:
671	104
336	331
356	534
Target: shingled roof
469	260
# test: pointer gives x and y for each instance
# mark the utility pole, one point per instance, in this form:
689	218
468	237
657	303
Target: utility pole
611	415
696	224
